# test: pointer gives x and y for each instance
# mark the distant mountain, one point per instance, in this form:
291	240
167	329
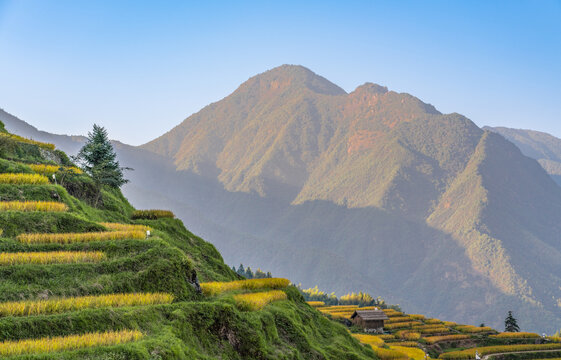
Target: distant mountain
541	146
372	190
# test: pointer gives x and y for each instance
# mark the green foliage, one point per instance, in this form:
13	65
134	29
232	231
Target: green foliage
98	159
511	325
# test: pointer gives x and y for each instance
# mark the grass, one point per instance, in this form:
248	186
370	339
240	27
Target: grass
51	257
29	141
23	179
46	206
258	300
217	288
65	343
53	306
66	238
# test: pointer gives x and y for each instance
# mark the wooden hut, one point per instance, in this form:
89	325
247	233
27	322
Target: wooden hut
369	320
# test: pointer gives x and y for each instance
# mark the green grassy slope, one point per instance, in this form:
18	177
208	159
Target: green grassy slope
172	260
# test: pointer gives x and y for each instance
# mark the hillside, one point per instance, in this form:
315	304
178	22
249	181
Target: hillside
543	147
79	282
372	190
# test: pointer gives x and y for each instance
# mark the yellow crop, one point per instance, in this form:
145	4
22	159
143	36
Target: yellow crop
438	330
46	206
23	179
389	354
216	288
29	141
470	329
427	327
412	353
406	343
369	339
316	303
408	335
386	336
470	353
434	339
64	343
258	300
52	306
401	325
515	335
392	312
126	227
152	214
66	238
433	321
52	257
449	323
397	319
49	170
417	316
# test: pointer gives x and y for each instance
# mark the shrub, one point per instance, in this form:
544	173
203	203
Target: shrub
126	227
66	238
369	339
152	214
53	257
50	206
23	179
53	306
434	339
412	353
216	288
64	343
515	335
316	303
470	353
258	300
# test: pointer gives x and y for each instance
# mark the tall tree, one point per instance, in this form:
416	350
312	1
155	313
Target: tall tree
511	324
98	159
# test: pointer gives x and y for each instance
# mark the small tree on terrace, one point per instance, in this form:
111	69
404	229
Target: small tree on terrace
511	324
98	159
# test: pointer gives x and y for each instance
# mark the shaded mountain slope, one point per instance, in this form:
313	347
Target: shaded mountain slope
538	145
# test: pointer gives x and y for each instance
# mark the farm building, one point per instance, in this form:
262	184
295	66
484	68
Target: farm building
369	320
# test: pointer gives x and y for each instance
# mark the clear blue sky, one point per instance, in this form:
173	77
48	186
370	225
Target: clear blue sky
139	68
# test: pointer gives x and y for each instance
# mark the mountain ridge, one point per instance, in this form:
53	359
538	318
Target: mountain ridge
305	181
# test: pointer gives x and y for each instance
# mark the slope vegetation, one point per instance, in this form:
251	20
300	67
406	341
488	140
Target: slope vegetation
78	282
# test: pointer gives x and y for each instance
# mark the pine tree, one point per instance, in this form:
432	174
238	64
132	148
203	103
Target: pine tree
511	324
98	159
241	270
249	273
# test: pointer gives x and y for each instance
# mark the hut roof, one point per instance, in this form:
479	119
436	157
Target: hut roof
370	315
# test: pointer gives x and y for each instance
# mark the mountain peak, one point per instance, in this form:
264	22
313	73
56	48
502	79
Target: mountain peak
371	88
286	77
